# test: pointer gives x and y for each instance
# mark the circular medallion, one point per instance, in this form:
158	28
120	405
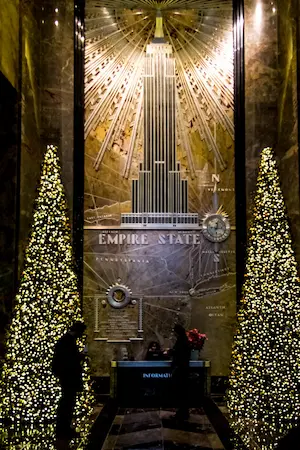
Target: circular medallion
216	227
118	296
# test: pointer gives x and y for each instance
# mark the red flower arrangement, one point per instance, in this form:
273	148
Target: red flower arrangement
196	339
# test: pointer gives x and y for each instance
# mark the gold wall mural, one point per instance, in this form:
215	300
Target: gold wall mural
159	176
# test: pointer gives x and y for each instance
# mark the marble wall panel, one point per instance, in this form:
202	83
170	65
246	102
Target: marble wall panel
9	40
47	100
31	152
57	82
271	98
288	146
261	85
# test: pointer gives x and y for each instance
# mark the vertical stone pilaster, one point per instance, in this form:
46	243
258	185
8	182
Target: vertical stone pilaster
261	84
271	98
47	91
57	84
288	146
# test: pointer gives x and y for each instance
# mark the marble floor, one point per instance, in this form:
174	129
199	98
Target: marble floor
152	429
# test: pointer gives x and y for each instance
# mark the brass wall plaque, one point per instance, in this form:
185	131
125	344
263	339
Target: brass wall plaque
118	324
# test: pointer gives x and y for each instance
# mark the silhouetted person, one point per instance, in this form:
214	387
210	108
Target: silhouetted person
154	352
67	367
180	371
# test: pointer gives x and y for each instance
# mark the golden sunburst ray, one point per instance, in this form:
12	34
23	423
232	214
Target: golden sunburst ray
117	33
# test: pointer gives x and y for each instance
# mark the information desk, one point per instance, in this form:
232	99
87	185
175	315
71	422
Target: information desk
148	383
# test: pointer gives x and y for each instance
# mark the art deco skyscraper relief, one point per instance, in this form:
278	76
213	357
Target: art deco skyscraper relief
159	195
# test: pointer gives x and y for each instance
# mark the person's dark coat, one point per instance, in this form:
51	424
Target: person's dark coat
180	371
181	354
67	362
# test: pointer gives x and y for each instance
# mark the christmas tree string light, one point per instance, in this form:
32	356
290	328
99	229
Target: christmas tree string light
263	396
46	305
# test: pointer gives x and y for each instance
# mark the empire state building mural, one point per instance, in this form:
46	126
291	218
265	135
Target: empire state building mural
159	206
159	109
159	195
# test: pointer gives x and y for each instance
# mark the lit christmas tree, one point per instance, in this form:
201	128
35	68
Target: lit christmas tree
46	305
263	396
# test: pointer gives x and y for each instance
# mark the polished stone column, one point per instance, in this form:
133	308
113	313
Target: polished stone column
288	109
9	41
57	83
30	123
47	90
78	174
261	84
271	98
